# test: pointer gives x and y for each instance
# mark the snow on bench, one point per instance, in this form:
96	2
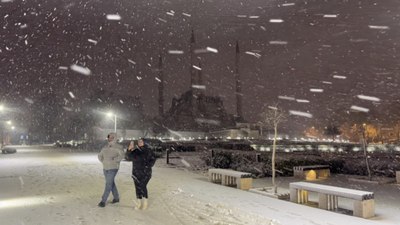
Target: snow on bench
227	177
363	206
311	172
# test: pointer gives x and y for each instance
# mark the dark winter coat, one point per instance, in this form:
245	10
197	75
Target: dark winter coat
143	159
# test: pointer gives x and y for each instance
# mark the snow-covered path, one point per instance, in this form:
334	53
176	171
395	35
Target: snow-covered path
47	186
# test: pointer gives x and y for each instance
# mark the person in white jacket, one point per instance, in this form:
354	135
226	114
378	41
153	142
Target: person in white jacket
110	156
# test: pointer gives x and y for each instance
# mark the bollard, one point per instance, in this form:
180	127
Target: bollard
167	155
258	157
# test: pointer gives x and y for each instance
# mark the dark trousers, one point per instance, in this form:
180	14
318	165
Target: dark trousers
141	180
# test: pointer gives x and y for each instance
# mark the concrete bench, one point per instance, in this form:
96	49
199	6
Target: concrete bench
363	206
231	178
312	172
8	150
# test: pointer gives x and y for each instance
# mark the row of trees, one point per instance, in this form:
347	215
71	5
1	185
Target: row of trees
273	116
352	132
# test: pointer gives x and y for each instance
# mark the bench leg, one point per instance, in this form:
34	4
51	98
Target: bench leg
214	177
302	196
224	180
335	202
232	181
364	209
323	201
293	195
298	196
328	202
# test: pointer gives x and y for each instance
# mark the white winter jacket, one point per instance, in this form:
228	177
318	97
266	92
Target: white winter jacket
111	155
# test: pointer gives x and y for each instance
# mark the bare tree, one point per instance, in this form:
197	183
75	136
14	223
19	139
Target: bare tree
364	143
272	116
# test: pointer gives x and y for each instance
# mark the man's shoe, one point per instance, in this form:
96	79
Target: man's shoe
102	204
115	201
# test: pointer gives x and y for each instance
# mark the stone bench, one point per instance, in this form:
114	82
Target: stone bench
312	172
363	206
227	177
7	150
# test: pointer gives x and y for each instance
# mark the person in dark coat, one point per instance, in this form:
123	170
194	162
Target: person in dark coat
143	159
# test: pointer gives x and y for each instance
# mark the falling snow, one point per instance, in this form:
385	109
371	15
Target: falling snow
369	98
80	69
299	113
276	21
359	108
113	17
175	52
316	90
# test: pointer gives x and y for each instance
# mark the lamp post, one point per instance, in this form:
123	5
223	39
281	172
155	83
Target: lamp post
5	139
2	128
111	114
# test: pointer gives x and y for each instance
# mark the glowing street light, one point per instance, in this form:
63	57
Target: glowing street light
111	114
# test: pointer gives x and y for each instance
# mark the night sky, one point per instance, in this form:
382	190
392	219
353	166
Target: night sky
347	48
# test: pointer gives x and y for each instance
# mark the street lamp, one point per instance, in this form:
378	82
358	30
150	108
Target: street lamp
3	137
111	114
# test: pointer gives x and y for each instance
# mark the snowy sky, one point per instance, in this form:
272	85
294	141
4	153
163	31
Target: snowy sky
314	57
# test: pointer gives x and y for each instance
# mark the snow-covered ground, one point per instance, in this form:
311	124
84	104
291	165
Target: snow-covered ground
42	185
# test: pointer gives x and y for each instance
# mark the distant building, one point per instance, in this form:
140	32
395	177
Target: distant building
194	110
122	134
197	113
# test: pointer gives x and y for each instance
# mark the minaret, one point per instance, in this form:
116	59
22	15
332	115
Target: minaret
160	88
238	84
192	70
194	100
200	75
